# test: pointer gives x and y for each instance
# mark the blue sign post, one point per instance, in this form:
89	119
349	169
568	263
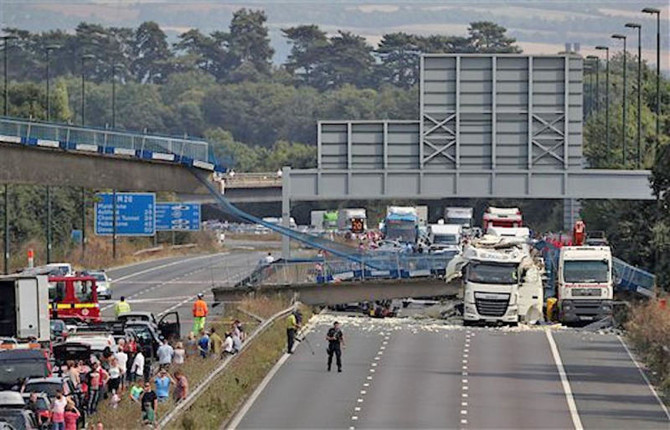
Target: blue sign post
135	214
177	216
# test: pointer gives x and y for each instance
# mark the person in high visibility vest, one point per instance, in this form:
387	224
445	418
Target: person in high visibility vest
200	312
292	326
121	307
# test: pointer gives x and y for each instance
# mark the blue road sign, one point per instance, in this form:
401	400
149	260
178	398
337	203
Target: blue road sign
135	214
177	216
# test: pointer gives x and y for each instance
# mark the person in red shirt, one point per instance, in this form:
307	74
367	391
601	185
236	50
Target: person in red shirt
71	416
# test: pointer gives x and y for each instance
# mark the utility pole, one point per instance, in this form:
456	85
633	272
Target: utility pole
639	91
623	117
607	98
657	12
6	253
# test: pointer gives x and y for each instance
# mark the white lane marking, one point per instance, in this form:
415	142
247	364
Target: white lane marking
367	384
360	400
465	361
374	364
354	417
464	404
572	406
464	395
465	388
163	266
363	392
464	412
465	381
651	387
357	409
464	421
369	378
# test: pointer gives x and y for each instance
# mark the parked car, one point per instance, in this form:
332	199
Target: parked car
11	399
17	365
168	326
43	405
97	340
59	330
49	386
19	419
103	283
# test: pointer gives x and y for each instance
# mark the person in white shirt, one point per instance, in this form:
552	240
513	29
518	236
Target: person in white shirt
122	359
179	353
228	347
137	370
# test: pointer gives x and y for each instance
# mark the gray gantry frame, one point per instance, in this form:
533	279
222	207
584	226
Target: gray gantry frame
490	125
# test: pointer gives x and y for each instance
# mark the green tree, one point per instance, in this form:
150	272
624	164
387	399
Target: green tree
152	54
400	54
486	36
248	40
308	47
348	60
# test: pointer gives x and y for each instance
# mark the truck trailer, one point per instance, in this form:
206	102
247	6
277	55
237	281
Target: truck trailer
353	220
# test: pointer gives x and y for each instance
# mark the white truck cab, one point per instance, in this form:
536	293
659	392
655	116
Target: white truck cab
445	237
585	285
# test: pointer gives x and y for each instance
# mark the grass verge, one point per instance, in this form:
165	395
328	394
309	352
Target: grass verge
231	389
648	329
196	369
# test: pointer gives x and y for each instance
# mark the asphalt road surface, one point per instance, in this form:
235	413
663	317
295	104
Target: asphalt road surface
171	284
411	374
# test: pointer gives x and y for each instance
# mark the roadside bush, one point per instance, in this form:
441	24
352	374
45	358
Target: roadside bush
649	331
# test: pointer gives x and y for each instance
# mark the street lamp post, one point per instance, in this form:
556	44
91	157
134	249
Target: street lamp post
596	60
48	50
5	45
639	89
607	97
623	116
83	86
657	12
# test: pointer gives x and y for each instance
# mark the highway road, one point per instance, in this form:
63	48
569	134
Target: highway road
412	374
171	284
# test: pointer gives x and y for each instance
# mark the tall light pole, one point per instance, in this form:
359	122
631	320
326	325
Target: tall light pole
83	87
657	12
623	117
114	77
596	60
48	50
639	89
607	97
5	45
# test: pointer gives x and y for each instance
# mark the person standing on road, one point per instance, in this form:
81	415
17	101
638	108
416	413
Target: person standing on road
200	312
121	307
292	327
335	340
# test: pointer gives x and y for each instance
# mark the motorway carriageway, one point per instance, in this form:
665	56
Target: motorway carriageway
407	374
171	284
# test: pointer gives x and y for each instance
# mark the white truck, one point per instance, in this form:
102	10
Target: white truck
445	238
353	220
24	308
461	216
501	281
316	220
502	217
585	286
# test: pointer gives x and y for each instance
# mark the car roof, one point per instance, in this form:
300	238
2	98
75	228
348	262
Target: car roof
11	398
14	354
49	380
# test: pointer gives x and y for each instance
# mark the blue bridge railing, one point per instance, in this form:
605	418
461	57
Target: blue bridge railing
185	151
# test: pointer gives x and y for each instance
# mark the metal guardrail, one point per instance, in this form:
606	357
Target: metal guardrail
203	385
192	152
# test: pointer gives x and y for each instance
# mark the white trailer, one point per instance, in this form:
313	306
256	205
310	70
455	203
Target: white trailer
25	307
462	216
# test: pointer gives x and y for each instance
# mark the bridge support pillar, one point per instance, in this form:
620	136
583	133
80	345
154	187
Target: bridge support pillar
571	210
286	211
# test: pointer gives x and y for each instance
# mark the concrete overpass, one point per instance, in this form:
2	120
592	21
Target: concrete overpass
344	292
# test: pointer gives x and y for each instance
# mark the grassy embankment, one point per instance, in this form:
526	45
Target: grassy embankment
648	330
196	369
231	389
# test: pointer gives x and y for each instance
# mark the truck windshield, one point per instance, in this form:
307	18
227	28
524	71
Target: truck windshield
402	232
445	239
491	273
459	221
586	271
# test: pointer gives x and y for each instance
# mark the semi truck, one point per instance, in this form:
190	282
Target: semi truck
353	220
401	224
445	238
460	216
502	217
585	285
330	220
501	281
316	220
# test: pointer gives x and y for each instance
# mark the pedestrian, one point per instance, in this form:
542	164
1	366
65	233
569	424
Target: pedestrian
335	340
191	344
58	411
71	416
137	369
215	342
122	360
200	312
115	376
203	344
165	354
162	382
121	307
149	401
34	407
237	342
94	379
267	260
179	354
135	392
292	327
181	386
229	345
240	329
